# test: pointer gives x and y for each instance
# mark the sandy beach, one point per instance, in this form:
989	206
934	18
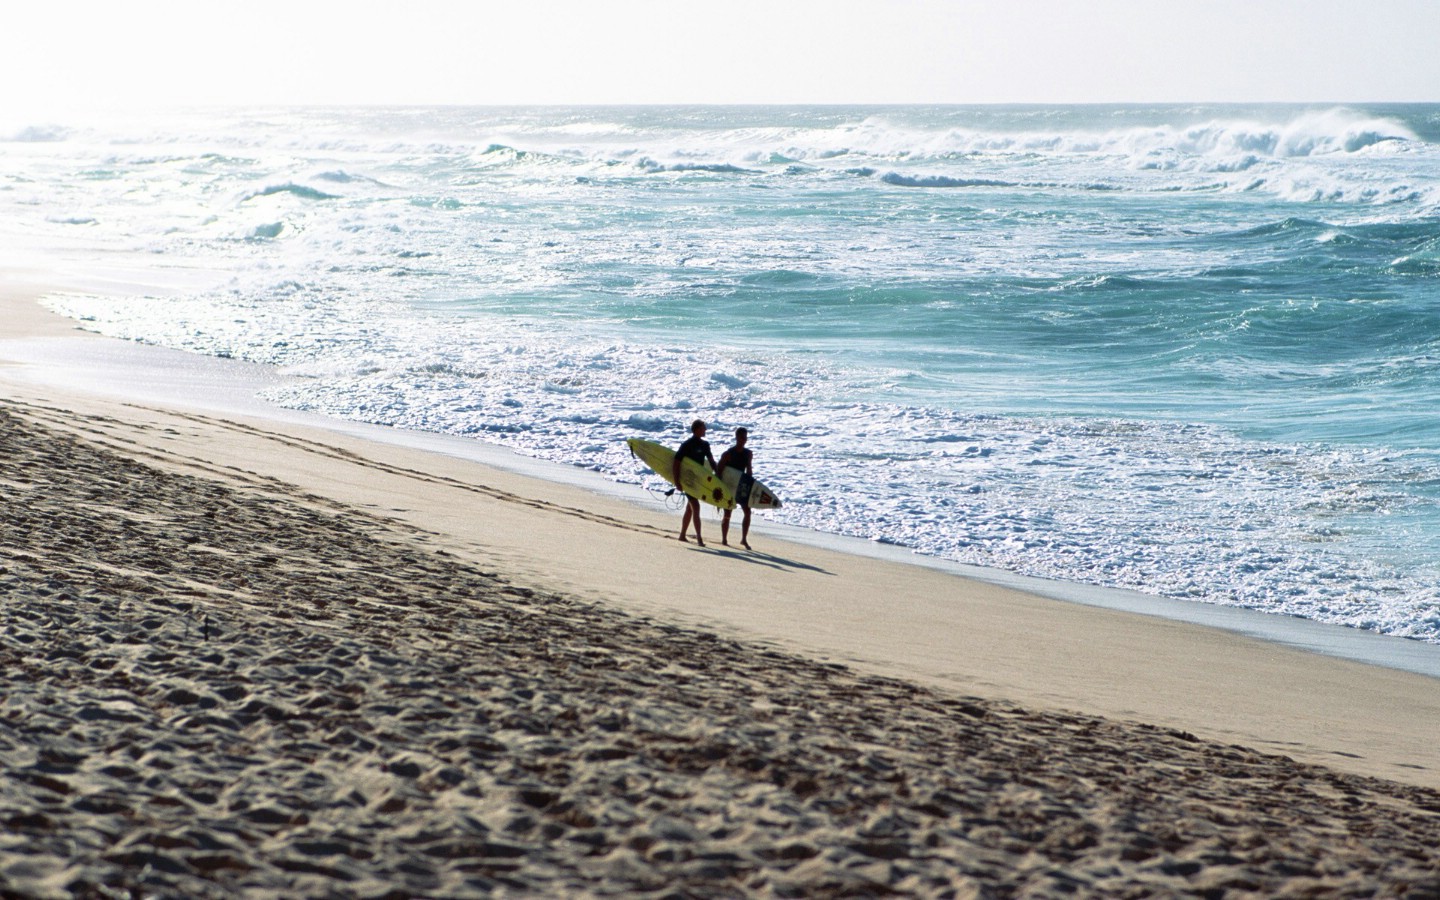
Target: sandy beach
259	657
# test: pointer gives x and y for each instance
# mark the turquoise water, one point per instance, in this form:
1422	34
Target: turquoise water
1187	349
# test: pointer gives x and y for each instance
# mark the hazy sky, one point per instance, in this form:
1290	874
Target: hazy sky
62	53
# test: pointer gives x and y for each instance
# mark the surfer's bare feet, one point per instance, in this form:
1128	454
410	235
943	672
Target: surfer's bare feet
745	544
684	540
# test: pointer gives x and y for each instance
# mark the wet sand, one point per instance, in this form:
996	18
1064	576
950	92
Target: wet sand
246	659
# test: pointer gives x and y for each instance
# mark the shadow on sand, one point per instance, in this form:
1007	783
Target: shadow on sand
769	560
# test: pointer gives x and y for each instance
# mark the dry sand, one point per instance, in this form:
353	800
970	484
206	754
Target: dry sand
245	657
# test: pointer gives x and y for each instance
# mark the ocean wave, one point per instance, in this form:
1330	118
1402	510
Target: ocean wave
1371	189
1220	145
651	166
450	370
297	190
1287	226
266	232
729	381
340	176
1229	139
1121	283
1235	144
943	181
780	278
649	423
1244	142
505	151
1285	152
1423	261
1418	240
946	181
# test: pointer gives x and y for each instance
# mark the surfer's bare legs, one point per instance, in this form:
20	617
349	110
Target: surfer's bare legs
692	512
744	528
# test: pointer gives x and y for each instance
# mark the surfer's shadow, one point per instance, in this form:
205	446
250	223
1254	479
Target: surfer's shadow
769	560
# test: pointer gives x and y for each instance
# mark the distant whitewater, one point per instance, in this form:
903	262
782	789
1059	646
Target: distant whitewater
1185	349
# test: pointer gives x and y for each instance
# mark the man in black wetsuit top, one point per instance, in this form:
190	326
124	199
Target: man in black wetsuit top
698	449
738	457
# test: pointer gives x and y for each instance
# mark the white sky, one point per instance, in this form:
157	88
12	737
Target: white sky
59	54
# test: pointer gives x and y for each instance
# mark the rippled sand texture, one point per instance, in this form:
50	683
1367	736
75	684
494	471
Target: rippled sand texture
216	687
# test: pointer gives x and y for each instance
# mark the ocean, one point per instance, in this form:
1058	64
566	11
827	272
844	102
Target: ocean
1189	350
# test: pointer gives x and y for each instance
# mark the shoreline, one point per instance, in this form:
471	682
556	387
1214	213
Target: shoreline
305	660
169	377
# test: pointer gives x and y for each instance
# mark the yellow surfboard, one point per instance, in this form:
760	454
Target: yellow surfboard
696	479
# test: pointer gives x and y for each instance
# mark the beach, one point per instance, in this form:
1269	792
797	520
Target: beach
260	657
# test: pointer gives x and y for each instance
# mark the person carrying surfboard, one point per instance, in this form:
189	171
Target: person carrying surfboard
698	449
738	457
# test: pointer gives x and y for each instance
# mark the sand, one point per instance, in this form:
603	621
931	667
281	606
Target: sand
249	657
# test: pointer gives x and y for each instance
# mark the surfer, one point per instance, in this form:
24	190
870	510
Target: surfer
738	457
698	449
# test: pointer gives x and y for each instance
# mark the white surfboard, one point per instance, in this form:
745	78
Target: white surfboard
761	497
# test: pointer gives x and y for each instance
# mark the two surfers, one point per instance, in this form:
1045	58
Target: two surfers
737	457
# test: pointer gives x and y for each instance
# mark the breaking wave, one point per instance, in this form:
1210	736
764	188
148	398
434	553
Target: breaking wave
297	190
